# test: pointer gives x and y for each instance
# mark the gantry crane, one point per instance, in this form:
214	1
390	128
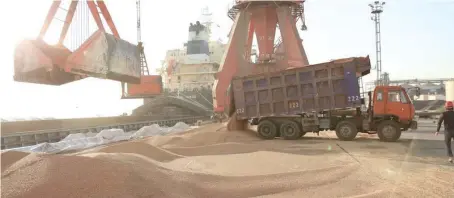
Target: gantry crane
261	18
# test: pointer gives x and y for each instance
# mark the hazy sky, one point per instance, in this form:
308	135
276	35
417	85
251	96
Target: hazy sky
417	37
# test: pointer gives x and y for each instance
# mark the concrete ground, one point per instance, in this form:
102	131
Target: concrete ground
421	145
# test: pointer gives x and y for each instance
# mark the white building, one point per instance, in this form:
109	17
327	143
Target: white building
449	90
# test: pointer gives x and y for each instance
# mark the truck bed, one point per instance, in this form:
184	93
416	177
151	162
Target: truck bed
314	88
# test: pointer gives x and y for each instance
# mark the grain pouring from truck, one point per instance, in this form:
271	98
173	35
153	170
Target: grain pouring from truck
325	96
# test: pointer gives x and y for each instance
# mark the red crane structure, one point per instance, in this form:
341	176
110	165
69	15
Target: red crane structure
102	55
262	18
150	85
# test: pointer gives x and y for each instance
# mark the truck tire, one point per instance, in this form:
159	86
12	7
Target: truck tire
389	131
346	131
266	129
290	130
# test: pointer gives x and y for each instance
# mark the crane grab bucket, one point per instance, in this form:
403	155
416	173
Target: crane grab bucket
37	62
105	56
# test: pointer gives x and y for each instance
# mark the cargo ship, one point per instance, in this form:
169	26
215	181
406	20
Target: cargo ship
189	72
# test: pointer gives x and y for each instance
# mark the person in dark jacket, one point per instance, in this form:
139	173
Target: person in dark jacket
448	119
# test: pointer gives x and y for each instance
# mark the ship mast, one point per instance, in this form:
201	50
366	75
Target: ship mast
207	19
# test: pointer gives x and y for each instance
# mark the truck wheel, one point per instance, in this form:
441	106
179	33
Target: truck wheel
290	130
267	129
346	131
389	131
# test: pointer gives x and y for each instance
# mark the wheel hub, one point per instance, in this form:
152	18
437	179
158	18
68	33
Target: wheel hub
345	131
289	131
389	131
266	130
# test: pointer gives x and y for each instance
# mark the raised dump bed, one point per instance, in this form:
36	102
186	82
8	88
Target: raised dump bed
314	88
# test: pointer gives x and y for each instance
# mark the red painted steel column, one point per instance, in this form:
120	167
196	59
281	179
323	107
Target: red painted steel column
295	55
108	18
94	12
250	38
232	61
68	20
50	15
265	19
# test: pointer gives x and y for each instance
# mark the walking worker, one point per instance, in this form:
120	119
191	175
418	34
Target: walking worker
448	119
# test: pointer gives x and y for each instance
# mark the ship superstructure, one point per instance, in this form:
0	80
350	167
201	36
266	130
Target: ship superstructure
193	67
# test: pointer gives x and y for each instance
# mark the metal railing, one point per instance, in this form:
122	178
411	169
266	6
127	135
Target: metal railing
30	138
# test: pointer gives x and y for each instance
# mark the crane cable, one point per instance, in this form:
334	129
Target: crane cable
143	61
141	50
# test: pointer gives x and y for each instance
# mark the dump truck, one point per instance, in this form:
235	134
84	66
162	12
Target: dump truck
321	97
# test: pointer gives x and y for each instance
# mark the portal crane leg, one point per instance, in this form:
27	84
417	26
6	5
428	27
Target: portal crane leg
263	18
234	58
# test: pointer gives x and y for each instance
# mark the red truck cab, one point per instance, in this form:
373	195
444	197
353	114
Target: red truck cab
393	102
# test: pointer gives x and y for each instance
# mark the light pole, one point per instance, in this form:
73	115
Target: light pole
376	10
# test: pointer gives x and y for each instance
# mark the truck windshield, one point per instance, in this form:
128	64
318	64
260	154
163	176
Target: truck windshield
393	96
397	96
403	97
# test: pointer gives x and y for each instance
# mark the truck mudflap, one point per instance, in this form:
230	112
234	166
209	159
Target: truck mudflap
413	125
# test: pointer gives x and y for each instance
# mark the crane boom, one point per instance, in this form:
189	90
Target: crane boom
139	33
150	85
143	59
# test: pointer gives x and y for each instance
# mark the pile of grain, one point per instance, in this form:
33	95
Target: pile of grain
236	125
208	135
132	175
10	157
76	176
214	162
270	163
140	148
